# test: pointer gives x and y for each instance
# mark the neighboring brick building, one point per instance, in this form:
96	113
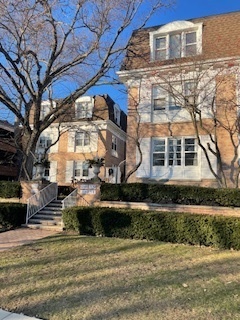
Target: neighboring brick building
92	127
183	84
8	166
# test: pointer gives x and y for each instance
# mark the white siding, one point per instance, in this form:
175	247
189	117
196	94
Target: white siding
71	141
53	171
69	171
144	169
205	170
54	137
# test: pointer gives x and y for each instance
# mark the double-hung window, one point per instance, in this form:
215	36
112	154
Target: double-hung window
80	170
160	48
164	99
190	152
171	152
159	152
82	139
175	45
44	142
117	114
83	109
190	93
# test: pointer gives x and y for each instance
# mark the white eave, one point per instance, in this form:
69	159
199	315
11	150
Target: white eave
139	73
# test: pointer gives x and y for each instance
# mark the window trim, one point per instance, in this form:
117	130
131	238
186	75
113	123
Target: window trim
88	104
46	107
79	165
166	152
85	138
177	27
114	146
169	107
117	114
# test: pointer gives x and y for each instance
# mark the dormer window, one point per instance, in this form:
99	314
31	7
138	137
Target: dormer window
46	107
176	40
84	107
117	114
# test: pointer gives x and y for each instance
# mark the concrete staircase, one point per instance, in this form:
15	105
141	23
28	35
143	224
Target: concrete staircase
48	218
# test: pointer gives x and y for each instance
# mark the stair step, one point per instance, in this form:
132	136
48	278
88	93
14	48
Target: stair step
51	212
53	208
45	227
44	222
56	217
57	205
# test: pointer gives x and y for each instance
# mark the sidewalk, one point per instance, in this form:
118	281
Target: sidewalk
14	238
5	315
18	237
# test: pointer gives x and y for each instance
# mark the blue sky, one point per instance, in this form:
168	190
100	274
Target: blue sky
182	10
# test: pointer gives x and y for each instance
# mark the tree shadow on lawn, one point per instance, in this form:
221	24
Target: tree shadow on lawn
156	297
157	290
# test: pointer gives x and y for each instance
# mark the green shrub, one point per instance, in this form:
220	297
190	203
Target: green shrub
171	194
218	231
10	189
12	215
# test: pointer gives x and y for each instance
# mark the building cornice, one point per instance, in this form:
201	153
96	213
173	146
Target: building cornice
136	74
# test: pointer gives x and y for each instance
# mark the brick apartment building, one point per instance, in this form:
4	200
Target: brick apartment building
8	164
92	127
183	84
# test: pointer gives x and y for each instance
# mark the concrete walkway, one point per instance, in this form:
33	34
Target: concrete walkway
14	238
18	237
5	315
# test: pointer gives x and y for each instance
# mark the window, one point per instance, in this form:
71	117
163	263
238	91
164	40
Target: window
176	40
44	142
160	48
82	139
175	152
176	45
114	146
81	169
114	143
190	152
46	107
159	150
84	109
164	100
189	92
46	172
117	114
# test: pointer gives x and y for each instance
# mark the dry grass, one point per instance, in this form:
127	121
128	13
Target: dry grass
71	277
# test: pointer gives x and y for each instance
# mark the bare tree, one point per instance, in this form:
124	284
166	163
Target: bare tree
206	92
50	48
135	132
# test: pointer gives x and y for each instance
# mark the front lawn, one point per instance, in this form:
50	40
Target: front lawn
74	277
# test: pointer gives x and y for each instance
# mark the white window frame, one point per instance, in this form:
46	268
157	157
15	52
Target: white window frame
83	137
181	28
46	107
114	146
80	168
44	142
164	98
84	107
180	156
117	114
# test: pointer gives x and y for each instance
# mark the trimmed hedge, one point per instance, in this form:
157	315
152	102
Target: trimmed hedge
12	215
217	231
172	194
10	189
